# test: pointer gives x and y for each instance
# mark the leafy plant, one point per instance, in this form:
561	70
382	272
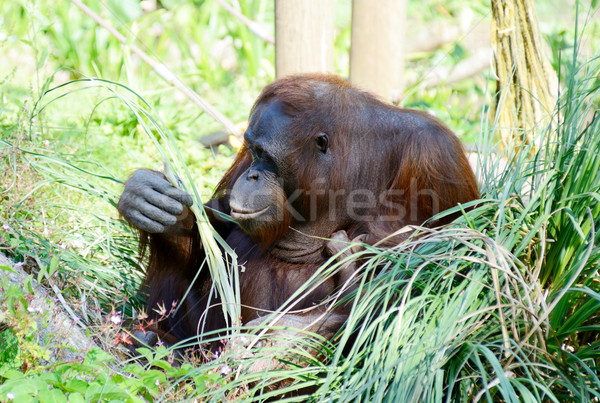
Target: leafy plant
18	325
94	380
503	305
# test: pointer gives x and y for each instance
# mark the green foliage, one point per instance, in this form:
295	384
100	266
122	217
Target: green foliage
125	11
94	380
510	311
24	377
18	325
503	305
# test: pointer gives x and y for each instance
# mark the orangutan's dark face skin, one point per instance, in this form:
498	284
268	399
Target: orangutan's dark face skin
258	198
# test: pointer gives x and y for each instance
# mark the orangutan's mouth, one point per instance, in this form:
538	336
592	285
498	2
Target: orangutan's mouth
247	215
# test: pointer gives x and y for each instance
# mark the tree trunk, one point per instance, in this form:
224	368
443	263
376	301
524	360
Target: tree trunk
304	36
377	50
527	85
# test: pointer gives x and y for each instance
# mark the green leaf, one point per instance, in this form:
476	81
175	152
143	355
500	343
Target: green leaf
53	265
108	391
12	374
27	284
51	378
5	267
43	56
169	4
48	271
76	398
152	379
162	365
23	387
146	353
51	396
97	358
9	349
117	378
42	274
134	369
125	10
76	385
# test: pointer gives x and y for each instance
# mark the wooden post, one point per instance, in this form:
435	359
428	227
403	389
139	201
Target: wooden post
377	50
304	36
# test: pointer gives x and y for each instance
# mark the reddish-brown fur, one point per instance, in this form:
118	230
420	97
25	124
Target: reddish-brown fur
408	154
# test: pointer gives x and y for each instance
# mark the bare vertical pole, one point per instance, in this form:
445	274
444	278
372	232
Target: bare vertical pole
303	36
377	50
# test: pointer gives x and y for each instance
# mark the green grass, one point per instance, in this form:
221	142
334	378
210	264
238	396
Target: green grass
503	305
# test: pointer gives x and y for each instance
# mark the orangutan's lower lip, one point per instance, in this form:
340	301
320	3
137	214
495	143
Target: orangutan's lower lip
247	215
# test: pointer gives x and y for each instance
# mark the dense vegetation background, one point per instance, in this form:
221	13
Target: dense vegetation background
504	305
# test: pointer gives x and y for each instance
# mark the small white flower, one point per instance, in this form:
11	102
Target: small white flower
46	143
6	227
567	348
10	395
115	319
226	370
157	382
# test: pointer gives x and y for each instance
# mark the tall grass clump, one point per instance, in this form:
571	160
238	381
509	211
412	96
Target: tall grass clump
503	305
220	259
86	189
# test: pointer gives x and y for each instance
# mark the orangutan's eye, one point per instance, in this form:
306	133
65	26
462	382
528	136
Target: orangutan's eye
322	142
